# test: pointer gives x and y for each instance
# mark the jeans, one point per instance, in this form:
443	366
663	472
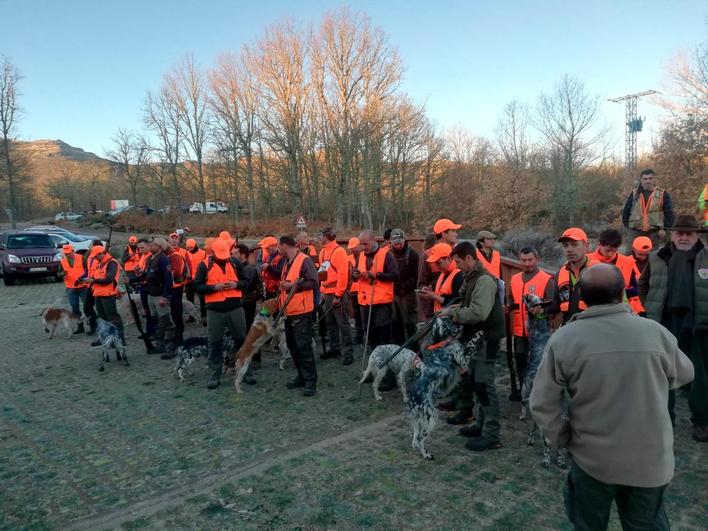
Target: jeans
76	295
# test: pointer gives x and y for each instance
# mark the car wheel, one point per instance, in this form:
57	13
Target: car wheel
8	280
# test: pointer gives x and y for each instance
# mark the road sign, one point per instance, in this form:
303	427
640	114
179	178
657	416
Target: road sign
301	224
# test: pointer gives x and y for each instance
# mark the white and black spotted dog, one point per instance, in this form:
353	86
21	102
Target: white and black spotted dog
405	363
438	375
539	329
196	347
110	339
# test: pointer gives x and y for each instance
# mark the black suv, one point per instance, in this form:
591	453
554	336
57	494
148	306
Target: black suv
28	254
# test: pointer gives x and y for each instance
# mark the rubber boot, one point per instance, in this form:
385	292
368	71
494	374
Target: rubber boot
80	329
214	375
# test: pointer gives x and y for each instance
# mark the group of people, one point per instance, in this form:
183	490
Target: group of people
374	291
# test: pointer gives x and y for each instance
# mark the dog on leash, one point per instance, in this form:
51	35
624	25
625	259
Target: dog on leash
196	347
110	339
438	374
539	333
53	317
405	362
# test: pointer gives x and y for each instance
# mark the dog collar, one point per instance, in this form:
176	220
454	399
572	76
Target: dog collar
439	344
264	312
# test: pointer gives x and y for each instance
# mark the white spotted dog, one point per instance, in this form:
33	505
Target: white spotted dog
110	339
53	317
539	329
405	362
196	347
190	311
438	375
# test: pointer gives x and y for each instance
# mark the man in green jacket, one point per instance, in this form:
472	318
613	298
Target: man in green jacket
479	310
674	292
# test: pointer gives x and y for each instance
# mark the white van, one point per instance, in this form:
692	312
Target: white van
212	207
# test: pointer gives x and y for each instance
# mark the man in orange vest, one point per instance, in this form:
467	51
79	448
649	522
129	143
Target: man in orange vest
488	256
648	210
222	281
271	267
703	205
444	231
90	303
449	281
334	280
354	248
181	275
531	280
138	279
376	274
104	286
566	296
195	256
297	283
131	256
74	266
607	253
641	249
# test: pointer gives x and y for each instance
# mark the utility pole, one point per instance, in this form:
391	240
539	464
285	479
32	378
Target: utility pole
633	125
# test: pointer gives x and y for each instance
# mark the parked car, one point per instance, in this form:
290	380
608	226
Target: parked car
61	230
142	209
60	239
67	216
28	254
212	207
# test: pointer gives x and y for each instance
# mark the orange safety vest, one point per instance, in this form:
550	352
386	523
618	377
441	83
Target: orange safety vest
565	280
194	259
72	272
647	215
635	302
354	286
312	253
133	260
329	285
302	301
536	285
216	276
622	262
180	269
443	286
379	291
105	290
493	266
271	283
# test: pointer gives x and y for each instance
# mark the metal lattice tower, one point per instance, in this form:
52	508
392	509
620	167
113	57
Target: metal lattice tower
633	125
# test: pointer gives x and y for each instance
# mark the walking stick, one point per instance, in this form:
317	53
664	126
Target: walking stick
510	358
368	329
281	310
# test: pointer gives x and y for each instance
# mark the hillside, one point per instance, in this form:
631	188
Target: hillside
37	150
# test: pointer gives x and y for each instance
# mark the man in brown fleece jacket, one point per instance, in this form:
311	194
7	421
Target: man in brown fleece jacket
617	369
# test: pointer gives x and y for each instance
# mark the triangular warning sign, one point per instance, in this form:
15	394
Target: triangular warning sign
301	221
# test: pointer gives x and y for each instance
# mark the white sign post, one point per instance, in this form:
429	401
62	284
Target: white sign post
301	224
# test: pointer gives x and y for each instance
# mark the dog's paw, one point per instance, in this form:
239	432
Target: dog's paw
100	368
428	456
379	397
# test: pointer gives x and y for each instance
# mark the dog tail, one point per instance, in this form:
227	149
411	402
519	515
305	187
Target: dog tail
367	371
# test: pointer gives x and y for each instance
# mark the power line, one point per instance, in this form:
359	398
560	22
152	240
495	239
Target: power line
633	125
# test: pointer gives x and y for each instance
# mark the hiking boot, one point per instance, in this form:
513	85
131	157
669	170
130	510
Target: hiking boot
153	350
700	433
450	405
330	354
214	380
309	391
80	329
348	360
515	397
294	384
168	355
471	431
462	416
480	444
96	343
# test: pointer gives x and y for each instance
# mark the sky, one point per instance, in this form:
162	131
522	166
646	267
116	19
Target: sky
87	65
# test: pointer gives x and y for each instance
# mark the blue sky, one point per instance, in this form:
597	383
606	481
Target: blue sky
88	64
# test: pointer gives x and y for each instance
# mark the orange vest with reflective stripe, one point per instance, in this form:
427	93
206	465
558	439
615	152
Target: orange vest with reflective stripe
302	301
216	276
194	259
564	280
378	292
647	215
443	286
133	260
105	290
536	285
72	272
494	265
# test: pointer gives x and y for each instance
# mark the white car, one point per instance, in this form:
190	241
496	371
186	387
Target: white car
67	216
60	230
212	207
60	239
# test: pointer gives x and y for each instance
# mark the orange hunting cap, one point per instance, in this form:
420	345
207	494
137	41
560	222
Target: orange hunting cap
66	249
642	243
574	234
353	243
225	235
221	249
174	235
444	224
191	243
438	251
133	240
267	242
96	249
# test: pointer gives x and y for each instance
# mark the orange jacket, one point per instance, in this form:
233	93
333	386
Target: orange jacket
73	271
133	259
216	276
493	265
194	259
354	286
302	301
443	286
100	270
180	268
537	285
374	292
338	271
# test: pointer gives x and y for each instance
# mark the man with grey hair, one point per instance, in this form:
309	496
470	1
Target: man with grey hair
405	314
617	369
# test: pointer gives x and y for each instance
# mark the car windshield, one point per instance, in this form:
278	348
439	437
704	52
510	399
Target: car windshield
29	241
69	236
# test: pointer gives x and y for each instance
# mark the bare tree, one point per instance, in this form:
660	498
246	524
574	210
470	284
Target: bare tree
568	120
10	78
130	153
512	136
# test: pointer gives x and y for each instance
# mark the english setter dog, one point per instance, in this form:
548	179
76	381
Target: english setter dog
405	362
195	347
438	375
539	329
53	317
110	339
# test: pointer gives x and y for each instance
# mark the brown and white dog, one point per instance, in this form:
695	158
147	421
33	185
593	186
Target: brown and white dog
261	330
53	317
